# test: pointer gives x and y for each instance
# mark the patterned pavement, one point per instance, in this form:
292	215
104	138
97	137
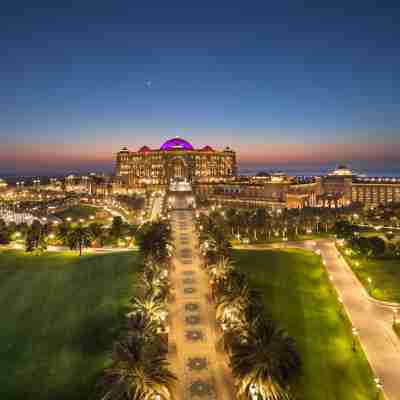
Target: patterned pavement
202	371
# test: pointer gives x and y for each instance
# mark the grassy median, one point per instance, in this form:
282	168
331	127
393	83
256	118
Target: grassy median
299	296
59	316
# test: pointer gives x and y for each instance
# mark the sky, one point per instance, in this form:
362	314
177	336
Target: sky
286	84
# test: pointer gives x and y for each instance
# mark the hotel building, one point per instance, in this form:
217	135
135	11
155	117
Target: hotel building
175	160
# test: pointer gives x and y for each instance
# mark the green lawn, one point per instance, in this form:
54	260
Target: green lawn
59	316
385	276
81	211
298	294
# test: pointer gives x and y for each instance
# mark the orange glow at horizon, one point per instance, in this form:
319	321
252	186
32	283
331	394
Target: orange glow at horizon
46	156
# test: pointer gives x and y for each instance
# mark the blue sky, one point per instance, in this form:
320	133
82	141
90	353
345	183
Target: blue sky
316	84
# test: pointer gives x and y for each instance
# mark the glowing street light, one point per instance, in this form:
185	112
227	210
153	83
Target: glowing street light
395	311
354	331
379	387
369	280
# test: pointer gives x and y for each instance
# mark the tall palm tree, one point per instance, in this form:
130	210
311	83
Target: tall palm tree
63	230
154	240
232	306
258	220
137	373
79	238
97	232
265	359
36	238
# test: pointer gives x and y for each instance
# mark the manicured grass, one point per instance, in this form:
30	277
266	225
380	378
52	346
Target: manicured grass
299	296
59	316
385	276
76	212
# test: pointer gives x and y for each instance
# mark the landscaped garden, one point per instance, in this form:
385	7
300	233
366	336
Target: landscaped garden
59	316
296	292
82	211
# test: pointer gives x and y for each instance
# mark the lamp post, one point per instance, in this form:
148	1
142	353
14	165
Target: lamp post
379	387
355	335
395	311
340	305
370	285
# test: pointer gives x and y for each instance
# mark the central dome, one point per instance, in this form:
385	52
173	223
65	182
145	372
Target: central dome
176	144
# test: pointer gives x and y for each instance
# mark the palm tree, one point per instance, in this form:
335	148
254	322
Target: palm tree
154	240
232	306
138	372
265	360
36	238
232	219
258	220
97	232
5	236
141	325
79	238
149	306
63	230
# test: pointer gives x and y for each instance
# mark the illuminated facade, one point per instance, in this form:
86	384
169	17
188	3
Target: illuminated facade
375	191
175	160
271	191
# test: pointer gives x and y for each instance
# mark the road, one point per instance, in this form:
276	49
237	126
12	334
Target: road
373	321
201	369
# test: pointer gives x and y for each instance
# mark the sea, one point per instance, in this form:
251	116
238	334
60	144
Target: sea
392	171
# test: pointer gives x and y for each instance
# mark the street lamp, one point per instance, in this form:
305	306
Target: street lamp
355	334
370	284
395	311
379	387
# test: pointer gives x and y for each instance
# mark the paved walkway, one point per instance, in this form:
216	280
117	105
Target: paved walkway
373	321
201	370
156	208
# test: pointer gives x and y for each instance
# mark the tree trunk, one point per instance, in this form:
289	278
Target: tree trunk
80	249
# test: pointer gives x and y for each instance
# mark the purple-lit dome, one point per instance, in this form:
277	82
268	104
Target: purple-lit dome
176	144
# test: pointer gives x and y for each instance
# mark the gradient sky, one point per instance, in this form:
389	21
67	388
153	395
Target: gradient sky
283	83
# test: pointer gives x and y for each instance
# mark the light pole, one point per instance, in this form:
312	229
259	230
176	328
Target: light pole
370	285
355	334
395	311
379	387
